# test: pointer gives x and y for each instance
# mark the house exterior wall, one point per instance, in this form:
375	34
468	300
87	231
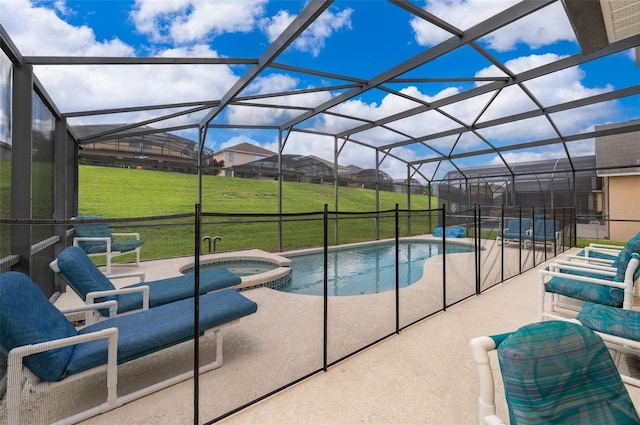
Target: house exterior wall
232	158
624	204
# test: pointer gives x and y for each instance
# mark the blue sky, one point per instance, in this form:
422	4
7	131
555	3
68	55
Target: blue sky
357	38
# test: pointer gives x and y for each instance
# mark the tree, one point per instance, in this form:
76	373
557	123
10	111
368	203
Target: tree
217	166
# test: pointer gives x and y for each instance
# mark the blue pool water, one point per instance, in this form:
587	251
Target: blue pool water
364	270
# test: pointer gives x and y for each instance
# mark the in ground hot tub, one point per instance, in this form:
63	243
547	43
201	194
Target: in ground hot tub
256	268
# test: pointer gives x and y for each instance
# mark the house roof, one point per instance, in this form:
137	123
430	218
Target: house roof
248	148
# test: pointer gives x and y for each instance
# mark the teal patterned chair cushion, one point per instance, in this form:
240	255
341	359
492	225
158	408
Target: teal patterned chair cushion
612	321
598	254
622	260
585	291
558	372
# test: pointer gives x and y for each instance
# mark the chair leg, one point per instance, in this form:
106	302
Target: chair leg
541	297
14	389
108	261
217	360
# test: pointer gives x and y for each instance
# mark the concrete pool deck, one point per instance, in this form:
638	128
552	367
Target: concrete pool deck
423	375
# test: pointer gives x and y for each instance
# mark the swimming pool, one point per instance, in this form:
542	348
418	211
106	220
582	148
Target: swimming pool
366	269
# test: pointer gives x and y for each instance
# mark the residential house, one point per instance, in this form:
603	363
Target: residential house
241	153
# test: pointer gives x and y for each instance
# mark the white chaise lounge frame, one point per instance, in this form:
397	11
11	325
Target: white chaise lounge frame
109	253
16	372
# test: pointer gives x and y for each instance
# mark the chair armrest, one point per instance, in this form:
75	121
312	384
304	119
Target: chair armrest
480	348
106	240
144	289
90	309
601	246
136	235
139	275
601	249
26	350
90	239
587	266
600	261
17	354
605	282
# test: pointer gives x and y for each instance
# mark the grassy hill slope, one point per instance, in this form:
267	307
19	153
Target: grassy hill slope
125	193
119	192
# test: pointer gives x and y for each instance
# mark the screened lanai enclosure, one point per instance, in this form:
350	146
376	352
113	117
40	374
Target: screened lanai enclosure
477	114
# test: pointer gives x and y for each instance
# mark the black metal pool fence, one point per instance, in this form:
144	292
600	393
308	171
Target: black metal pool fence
292	337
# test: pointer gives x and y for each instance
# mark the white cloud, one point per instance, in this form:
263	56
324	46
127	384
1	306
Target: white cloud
552	89
97	87
313	39
39	31
389	105
529	156
185	21
276	25
544	27
274	83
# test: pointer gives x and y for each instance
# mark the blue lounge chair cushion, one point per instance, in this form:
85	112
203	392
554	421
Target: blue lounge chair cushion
154	329
18	297
612	321
585	291
80	273
544	230
557	372
167	290
100	230
77	269
516	228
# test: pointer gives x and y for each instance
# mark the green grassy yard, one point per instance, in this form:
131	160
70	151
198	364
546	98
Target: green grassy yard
127	193
119	193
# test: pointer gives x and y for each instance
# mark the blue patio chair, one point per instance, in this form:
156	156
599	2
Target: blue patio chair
41	343
96	239
544	231
516	230
78	271
554	372
611	288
